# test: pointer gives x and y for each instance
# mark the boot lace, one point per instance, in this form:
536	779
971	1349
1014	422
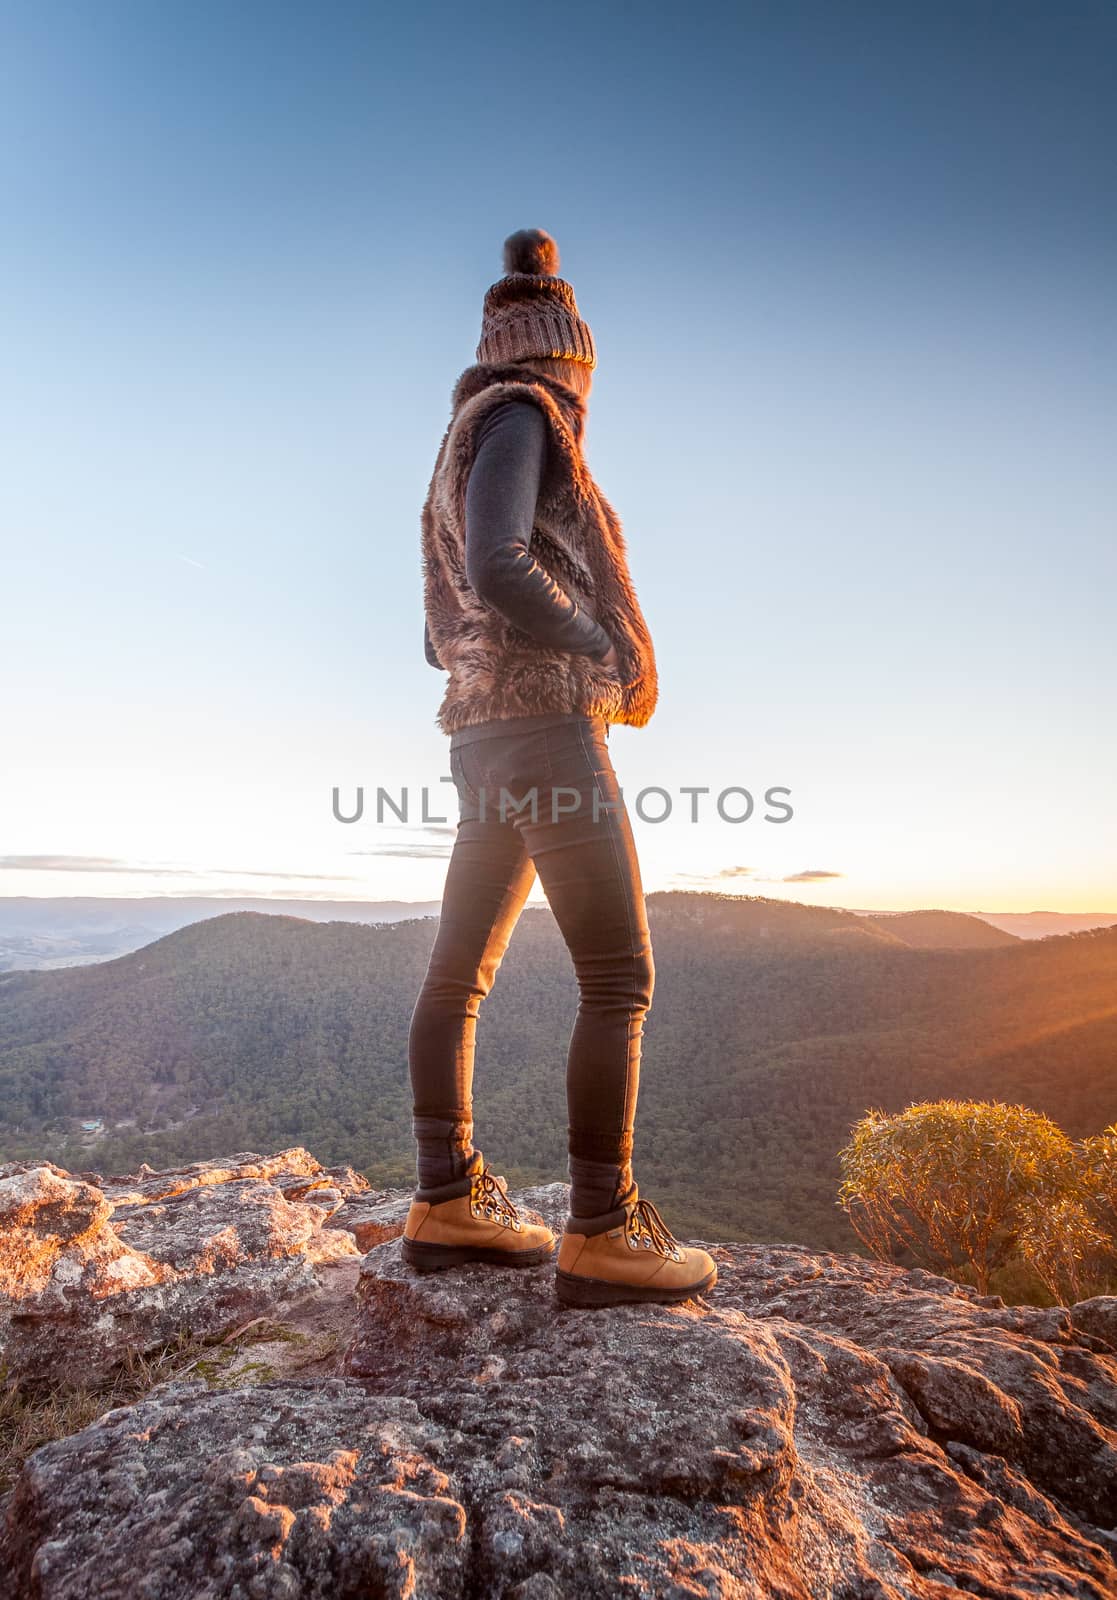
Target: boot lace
488	1197
645	1229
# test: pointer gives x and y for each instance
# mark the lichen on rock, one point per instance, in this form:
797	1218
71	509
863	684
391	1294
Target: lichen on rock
818	1425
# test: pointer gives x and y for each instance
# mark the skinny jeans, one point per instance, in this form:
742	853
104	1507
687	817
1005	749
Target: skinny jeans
539	795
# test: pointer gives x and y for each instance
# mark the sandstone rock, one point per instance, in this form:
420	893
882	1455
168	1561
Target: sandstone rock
1097	1317
1014	1380
47	1217
371	1221
89	1277
812	1393
294	1172
293	1490
819	1425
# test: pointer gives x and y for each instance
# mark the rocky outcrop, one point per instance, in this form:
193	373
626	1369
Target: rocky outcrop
94	1271
819	1425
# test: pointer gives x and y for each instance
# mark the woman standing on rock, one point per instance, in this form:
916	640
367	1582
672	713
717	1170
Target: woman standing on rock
531	610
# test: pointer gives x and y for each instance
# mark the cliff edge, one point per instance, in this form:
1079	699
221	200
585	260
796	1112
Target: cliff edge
820	1425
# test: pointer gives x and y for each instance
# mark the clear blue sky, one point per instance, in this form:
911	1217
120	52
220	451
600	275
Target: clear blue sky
850	271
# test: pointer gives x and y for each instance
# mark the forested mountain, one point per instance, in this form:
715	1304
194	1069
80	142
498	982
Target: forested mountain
774	1027
39	933
940	930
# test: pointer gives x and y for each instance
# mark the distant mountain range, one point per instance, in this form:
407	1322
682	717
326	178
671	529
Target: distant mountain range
1042	924
775	1025
40	934
1021	924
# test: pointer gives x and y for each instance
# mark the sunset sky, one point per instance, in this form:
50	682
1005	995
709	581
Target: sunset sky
850	273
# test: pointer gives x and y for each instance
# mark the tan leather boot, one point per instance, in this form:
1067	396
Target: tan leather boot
471	1219
628	1254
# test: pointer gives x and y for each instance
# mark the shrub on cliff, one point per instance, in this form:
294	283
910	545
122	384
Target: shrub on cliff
976	1185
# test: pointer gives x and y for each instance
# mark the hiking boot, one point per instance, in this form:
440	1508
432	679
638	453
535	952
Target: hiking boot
628	1254
471	1219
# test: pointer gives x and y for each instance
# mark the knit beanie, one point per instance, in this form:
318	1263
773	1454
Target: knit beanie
531	311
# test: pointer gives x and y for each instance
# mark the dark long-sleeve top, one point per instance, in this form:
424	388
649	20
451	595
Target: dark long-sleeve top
500	502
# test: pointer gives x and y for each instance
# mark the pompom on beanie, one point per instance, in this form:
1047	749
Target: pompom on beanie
531	311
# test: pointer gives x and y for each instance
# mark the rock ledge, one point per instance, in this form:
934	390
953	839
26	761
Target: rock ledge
820	1425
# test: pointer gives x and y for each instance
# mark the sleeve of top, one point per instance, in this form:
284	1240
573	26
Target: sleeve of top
500	503
428	647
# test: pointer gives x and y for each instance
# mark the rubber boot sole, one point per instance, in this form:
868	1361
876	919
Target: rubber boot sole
573	1290
437	1257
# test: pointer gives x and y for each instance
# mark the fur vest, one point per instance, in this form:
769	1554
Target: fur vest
496	669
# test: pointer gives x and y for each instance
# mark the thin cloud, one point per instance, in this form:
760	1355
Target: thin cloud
69	864
408	852
287	877
441	833
115	864
419	851
190	562
729	874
